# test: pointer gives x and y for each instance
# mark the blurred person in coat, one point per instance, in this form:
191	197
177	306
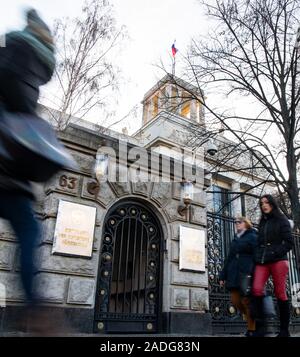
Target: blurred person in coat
26	62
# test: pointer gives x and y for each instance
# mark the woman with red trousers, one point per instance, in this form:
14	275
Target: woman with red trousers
274	242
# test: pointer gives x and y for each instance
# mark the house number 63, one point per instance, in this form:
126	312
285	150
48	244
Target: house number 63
67	182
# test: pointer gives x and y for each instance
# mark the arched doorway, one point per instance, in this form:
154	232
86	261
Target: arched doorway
128	297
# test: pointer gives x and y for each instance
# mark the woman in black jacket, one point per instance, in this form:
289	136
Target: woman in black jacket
274	242
238	266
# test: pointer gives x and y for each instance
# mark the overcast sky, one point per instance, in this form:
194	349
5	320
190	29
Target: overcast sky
152	25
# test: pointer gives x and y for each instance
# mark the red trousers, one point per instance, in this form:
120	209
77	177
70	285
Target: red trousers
279	272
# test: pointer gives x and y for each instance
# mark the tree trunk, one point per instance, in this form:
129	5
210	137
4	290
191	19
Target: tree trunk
293	189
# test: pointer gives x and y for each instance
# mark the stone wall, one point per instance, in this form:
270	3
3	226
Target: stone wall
70	282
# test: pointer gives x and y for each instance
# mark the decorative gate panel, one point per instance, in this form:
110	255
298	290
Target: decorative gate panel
128	293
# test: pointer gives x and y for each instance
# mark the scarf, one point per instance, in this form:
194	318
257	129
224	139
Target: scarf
241	233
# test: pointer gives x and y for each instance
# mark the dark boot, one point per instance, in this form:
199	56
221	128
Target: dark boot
257	313
284	317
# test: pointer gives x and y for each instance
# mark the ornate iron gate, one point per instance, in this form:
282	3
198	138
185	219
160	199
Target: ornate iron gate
220	232
225	318
128	295
294	283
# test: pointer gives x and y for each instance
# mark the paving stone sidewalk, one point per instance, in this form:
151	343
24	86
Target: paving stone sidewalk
112	336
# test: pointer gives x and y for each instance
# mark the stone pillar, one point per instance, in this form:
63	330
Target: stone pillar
201	116
162	99
186	299
193	110
178	100
145	112
150	109
169	103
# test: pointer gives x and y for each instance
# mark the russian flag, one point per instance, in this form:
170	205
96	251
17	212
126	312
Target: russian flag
174	50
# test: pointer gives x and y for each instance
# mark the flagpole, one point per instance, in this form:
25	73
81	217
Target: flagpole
173	67
174	50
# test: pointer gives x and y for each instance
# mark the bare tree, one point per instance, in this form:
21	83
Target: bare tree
252	57
86	75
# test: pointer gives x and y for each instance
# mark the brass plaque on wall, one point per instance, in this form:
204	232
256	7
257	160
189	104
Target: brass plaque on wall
192	249
74	230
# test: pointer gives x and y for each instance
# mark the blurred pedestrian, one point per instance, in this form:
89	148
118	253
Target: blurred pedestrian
26	63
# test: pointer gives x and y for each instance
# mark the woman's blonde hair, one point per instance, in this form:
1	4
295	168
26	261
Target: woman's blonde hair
246	220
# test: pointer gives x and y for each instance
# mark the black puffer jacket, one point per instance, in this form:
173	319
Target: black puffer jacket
274	239
21	74
240	259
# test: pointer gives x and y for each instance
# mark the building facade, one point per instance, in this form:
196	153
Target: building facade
141	275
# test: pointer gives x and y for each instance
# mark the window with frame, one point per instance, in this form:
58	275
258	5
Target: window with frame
186	110
221	204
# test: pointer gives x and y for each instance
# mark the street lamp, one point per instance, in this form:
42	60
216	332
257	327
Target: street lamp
101	167
100	172
187	187
186	195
